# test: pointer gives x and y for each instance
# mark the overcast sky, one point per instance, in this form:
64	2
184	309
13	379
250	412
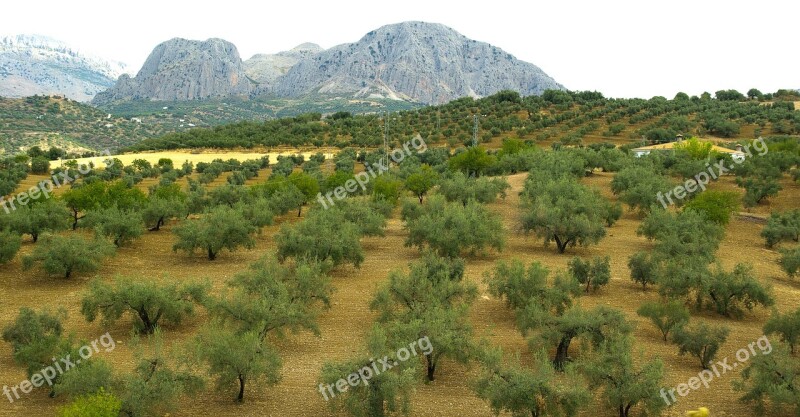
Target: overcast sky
621	48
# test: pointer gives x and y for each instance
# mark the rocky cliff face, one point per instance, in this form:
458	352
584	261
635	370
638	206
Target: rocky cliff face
32	64
181	69
429	63
265	69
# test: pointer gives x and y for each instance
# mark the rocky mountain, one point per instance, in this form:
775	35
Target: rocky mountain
32	64
425	62
411	61
265	69
182	70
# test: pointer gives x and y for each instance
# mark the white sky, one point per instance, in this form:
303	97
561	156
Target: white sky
621	48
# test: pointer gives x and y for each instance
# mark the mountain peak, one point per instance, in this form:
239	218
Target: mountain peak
184	69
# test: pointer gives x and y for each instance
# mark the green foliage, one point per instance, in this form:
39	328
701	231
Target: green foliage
421	181
787	326
220	228
716	206
529	392
521	288
626	384
9	245
236	359
121	227
90	377
758	189
101	404
451	228
149	303
782	226
42	217
667	317
731	292
458	187
790	261
40	165
594	326
36	338
643	269
386	188
159	210
681	235
564	211
324	235
154	387
308	186
387	394
694	149
593	273
431	302
271	297
65	255
639	187
472	162
701	341
85	197
770	384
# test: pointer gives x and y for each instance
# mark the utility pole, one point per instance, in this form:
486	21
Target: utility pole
386	137
475	130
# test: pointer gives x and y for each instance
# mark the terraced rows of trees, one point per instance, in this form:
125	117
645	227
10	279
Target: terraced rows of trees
442	201
566	118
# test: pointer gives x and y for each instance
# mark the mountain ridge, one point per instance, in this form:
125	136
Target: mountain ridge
36	64
420	62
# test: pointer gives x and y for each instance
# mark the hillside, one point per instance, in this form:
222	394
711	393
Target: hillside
32	64
69	124
557	116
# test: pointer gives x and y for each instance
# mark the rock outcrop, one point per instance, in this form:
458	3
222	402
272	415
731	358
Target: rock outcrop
181	69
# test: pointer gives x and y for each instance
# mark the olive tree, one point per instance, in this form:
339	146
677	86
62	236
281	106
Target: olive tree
781	227
451	228
220	228
529	392
565	212
431	302
9	245
700	340
790	260
667	317
41	217
65	255
324	235
771	382
592	273
149	303
120	226
626	384
787	326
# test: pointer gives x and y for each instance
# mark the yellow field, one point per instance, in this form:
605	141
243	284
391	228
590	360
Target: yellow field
345	324
179	157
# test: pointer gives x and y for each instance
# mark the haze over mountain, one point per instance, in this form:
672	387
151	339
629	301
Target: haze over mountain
413	61
33	64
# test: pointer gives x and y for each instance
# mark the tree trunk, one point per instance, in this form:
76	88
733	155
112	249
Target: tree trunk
75	219
420	198
300	210
240	397
562	246
561	353
35	237
69	273
431	367
211	254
